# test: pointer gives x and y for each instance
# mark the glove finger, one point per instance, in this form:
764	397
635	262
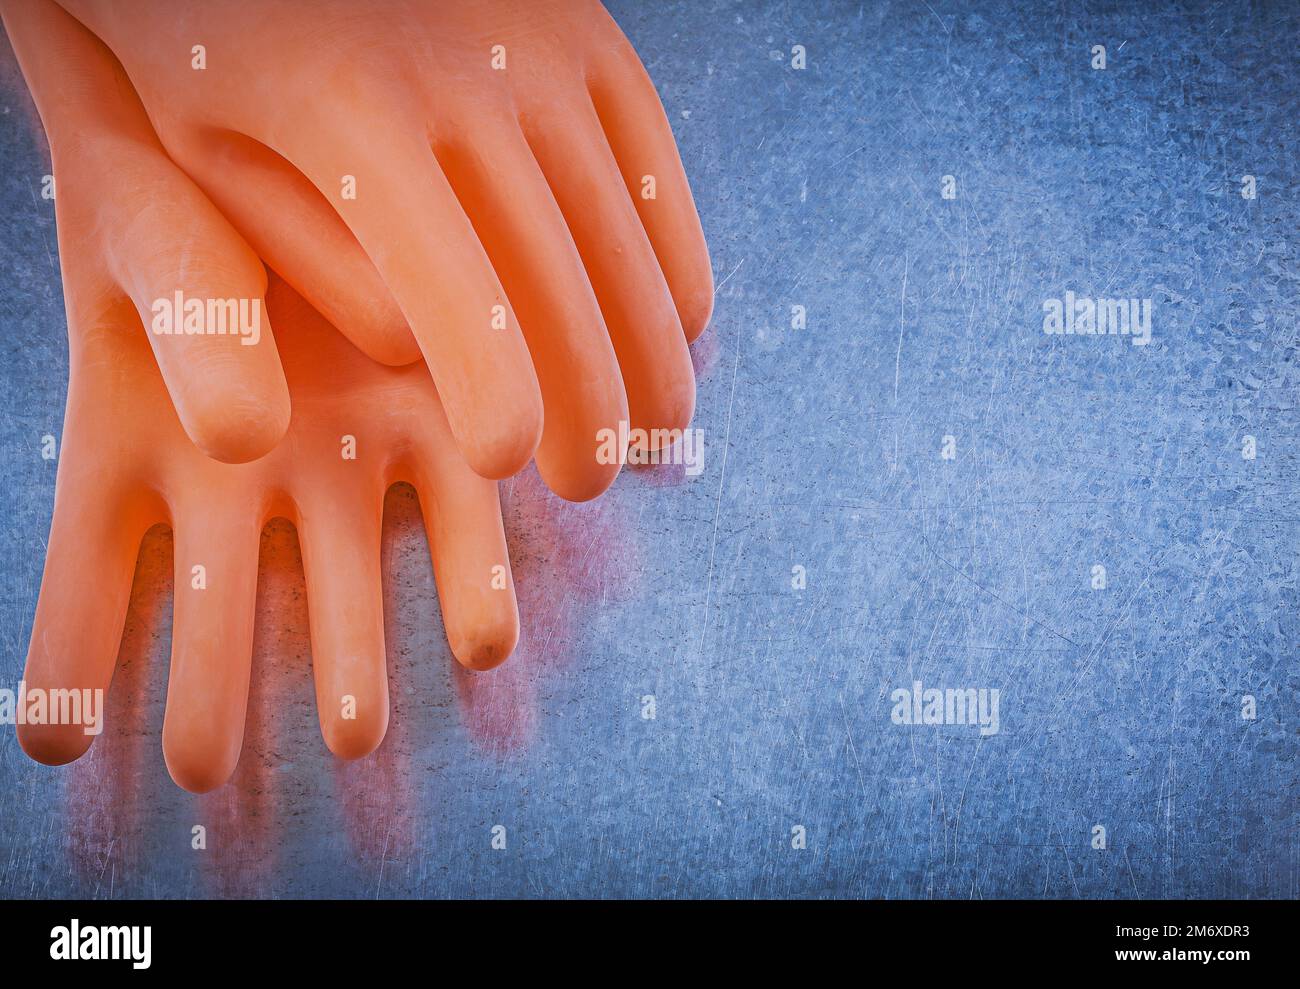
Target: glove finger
215	545
339	529
89	563
642	140
200	292
299	235
467	545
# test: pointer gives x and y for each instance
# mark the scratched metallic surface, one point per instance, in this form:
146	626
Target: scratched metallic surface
820	187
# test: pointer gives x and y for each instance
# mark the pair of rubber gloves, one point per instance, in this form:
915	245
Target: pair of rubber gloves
490	185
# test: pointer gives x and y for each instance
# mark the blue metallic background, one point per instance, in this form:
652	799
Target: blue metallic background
819	188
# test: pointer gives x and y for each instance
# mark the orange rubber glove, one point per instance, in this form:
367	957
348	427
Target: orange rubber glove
126	462
476	149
